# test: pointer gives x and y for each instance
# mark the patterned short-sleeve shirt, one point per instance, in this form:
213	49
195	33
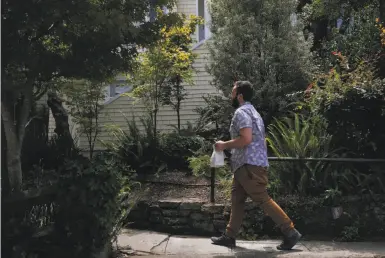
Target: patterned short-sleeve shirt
255	153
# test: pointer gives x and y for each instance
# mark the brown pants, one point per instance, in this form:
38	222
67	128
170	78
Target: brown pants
252	181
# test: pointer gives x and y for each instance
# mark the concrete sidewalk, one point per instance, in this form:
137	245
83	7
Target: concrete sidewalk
152	244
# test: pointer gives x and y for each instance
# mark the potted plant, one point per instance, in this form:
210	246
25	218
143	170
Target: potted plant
333	199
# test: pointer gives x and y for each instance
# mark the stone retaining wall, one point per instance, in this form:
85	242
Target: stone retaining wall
361	218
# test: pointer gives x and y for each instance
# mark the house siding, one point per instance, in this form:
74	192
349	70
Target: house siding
113	111
187	7
122	108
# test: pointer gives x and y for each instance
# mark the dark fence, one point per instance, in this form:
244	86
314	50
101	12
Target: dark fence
27	216
293	159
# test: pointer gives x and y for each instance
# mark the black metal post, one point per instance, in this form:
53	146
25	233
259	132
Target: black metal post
212	186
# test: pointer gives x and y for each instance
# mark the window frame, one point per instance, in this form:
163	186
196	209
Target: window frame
207	20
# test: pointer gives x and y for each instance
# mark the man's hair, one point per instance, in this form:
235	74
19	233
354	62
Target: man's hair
245	88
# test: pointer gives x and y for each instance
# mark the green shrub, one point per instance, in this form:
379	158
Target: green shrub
176	149
200	166
274	185
357	40
352	102
351	233
214	117
90	211
302	137
135	147
333	197
225	184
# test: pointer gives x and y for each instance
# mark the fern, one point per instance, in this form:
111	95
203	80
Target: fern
133	147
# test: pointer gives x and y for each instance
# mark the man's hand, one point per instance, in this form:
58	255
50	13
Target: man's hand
220	146
242	141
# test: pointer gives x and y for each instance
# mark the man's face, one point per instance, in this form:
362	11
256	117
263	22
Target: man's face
234	97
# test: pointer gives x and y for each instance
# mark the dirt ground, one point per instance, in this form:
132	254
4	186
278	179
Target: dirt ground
178	185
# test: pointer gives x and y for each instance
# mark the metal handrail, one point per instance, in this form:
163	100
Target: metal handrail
353	160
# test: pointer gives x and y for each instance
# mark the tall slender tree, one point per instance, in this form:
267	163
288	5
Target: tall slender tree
164	66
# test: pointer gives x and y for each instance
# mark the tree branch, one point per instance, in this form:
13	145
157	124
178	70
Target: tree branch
46	31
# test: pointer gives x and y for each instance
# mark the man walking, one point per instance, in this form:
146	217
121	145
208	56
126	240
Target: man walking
249	164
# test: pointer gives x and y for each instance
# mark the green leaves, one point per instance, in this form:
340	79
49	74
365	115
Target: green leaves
89	39
163	68
358	37
90	211
134	147
177	148
301	137
260	42
200	166
85	101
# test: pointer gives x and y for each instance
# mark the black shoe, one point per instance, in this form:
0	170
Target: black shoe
290	240
224	241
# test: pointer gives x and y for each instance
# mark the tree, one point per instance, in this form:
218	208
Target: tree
85	100
162	68
334	9
263	42
322	16
177	41
44	40
352	28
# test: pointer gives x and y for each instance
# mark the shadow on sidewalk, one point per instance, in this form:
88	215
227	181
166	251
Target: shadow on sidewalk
251	253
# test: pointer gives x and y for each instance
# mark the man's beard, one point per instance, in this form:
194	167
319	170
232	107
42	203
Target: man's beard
235	103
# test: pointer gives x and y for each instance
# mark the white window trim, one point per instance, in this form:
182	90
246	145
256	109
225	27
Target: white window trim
112	99
207	21
197	45
293	19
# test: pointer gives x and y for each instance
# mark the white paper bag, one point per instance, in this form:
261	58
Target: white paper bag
217	159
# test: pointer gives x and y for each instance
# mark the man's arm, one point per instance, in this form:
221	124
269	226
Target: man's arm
244	139
244	124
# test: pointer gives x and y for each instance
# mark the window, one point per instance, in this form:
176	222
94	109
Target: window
165	10
293	19
112	91
152	13
339	23
203	31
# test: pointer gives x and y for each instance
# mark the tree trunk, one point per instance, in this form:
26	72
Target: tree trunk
155	111
16	105
62	128
382	12
4	170
178	100
94	129
155	151
36	135
178	115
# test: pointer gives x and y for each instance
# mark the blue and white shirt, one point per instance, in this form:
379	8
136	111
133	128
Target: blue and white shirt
255	153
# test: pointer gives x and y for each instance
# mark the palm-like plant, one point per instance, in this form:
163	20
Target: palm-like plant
302	137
